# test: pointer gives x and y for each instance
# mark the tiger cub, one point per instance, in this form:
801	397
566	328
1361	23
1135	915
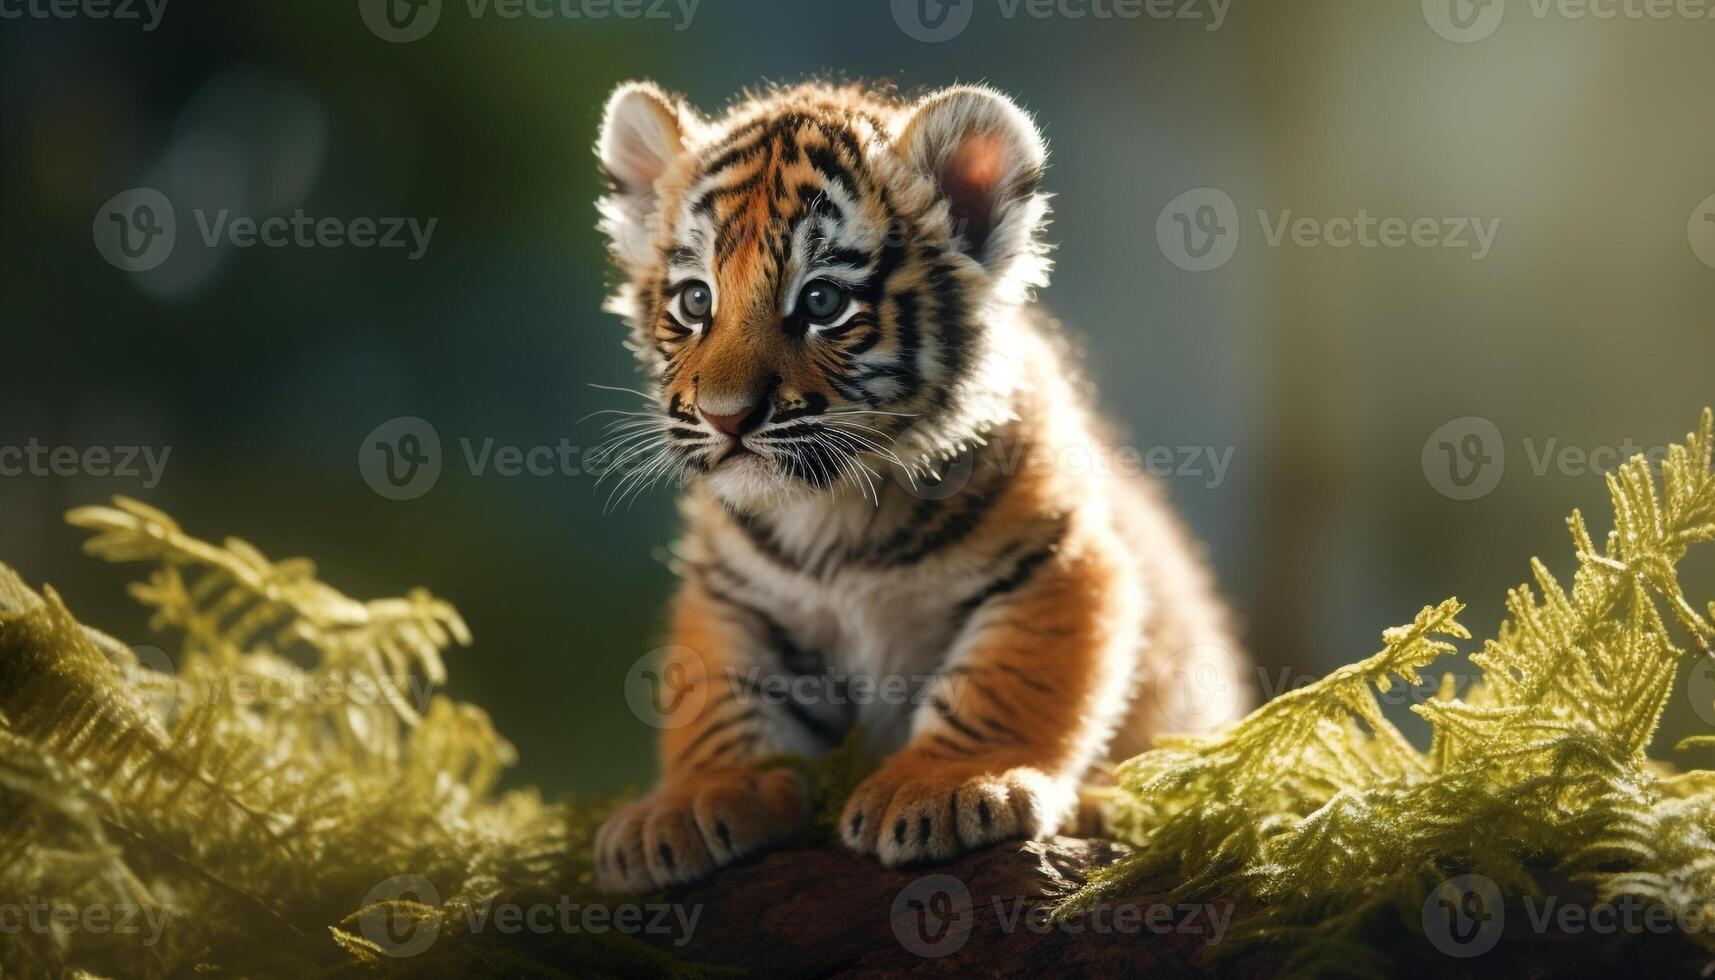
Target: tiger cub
894	518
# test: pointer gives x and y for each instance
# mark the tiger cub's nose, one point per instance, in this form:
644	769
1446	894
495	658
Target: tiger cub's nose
738	423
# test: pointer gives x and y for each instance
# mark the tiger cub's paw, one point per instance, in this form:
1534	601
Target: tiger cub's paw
694	823
914	809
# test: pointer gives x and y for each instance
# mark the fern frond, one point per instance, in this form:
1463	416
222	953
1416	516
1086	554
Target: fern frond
1320	811
229	815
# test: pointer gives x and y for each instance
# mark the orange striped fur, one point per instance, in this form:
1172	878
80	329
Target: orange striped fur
877	435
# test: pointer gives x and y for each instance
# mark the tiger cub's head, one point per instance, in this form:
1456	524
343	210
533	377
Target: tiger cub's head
820	279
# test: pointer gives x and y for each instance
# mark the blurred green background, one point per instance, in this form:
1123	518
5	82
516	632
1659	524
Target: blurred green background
1325	370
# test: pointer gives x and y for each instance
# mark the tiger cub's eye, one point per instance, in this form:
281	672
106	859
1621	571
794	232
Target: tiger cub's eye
696	299
821	300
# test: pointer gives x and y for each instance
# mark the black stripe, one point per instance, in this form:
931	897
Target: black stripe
955	528
968	671
715	195
832	168
948	527
761	537
891	258
946	712
828	735
816	204
676	407
1021	572
844	137
808	427
728	238
848	256
955	330
995	726
950	745
744	714
737	149
983	689
869	339
1024	678
721	750
905	304
813	462
920	515
792	656
815	403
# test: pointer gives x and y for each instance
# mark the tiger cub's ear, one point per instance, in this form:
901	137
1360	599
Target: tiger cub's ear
643	130
986	159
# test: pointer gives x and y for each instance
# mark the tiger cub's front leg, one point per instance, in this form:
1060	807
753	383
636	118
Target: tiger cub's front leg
1035	684
712	805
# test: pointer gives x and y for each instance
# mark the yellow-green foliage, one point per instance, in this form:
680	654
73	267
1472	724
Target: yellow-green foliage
1318	812
250	799
256	793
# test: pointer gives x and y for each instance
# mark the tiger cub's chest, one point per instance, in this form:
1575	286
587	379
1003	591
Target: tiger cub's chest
867	646
869	621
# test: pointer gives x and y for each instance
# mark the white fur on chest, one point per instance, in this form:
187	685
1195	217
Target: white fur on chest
883	634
